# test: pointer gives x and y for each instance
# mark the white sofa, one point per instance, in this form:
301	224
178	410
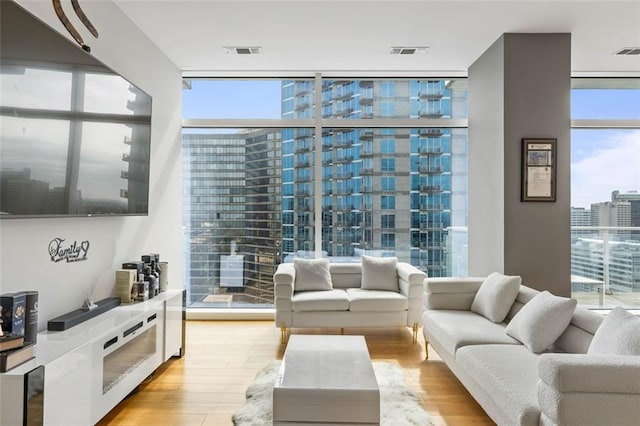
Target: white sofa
347	304
563	385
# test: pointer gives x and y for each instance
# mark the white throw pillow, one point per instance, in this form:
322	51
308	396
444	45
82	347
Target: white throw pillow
541	321
379	273
619	334
496	296
312	275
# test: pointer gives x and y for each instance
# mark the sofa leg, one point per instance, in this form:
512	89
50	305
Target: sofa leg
426	348
283	334
342	331
415	333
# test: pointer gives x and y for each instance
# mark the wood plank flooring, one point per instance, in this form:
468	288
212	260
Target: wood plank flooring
207	385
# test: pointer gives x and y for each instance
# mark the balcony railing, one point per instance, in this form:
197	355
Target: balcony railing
605	266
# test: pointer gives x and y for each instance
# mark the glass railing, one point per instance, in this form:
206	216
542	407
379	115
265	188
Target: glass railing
605	266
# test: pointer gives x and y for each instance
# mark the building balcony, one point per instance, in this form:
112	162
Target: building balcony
366	100
366	135
430	133
343	95
366	83
431	188
302	106
302	149
345	159
343	112
343	143
430	170
365	154
430	151
125	156
347	175
367	171
302	164
431	225
430	114
430	207
430	95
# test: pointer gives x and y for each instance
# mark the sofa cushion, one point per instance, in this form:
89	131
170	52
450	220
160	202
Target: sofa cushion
541	321
495	296
379	273
454	329
619	334
324	300
376	301
312	275
509	375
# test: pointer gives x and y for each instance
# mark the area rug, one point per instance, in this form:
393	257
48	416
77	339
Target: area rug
399	405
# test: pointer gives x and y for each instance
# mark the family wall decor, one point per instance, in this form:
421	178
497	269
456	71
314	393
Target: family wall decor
69	252
538	181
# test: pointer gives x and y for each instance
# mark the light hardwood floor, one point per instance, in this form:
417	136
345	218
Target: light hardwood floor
207	385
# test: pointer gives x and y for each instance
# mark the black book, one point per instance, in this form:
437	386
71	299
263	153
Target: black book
31	317
14	357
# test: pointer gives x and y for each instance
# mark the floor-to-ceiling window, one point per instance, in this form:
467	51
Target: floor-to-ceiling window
605	192
277	169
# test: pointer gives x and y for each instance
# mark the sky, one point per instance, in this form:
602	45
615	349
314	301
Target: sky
602	160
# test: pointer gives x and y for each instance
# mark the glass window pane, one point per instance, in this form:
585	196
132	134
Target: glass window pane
403	98
605	98
605	217
364	195
237	98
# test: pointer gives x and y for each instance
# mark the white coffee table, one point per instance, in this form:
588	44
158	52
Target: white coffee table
326	380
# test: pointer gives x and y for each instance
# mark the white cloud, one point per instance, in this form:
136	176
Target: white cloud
616	168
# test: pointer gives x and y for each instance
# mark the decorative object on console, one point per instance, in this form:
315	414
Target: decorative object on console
124	288
78	316
31	317
399	404
14	357
13	308
74	252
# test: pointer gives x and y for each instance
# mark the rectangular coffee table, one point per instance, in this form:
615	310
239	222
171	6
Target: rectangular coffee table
326	380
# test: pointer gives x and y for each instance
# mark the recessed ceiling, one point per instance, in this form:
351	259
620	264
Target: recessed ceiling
332	36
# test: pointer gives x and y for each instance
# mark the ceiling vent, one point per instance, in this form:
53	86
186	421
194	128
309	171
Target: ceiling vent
242	50
625	51
409	50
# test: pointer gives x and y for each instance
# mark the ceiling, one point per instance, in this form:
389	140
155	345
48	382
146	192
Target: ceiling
355	36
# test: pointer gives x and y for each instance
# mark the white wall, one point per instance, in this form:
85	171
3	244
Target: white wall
24	259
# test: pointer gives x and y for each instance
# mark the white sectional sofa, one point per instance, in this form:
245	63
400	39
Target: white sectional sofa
387	294
574	381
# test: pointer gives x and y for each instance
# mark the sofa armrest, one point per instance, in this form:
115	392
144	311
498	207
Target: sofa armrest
283	281
451	292
589	389
410	281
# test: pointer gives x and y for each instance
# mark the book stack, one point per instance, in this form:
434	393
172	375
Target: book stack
19	328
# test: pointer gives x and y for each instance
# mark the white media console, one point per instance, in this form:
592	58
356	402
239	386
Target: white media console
91	367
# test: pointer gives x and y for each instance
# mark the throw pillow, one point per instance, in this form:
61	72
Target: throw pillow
619	334
541	321
495	296
312	275
379	273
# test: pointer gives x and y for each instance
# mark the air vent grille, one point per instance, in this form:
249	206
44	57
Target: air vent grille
625	51
412	50
242	50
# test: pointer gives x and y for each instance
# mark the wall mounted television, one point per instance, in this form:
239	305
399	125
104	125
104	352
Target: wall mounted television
74	135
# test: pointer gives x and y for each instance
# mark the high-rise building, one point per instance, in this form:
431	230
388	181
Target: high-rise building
232	207
633	198
385	191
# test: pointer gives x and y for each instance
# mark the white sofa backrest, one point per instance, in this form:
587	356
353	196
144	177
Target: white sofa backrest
346	275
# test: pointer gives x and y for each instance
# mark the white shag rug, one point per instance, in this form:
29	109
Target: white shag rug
399	405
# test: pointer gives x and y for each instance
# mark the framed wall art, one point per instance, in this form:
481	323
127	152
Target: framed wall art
538	169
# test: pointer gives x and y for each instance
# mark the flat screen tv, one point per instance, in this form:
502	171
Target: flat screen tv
74	134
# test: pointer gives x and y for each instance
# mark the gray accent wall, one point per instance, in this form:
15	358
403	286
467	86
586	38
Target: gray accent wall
519	87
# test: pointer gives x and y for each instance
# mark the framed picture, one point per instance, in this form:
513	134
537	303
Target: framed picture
538	169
